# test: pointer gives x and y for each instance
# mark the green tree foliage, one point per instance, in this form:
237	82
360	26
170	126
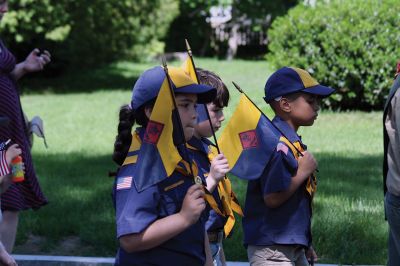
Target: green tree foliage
89	32
256	9
349	45
191	24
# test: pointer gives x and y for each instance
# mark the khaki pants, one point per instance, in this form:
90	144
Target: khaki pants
277	255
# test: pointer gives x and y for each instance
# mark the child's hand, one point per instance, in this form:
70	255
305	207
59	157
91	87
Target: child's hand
219	168
307	164
193	204
12	152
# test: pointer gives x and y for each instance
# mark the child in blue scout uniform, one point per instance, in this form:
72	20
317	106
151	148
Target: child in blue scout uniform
165	223
202	152
277	215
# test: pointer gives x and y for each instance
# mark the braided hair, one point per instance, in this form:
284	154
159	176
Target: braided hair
127	118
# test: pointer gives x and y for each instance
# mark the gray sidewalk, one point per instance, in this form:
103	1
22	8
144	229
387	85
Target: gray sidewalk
38	260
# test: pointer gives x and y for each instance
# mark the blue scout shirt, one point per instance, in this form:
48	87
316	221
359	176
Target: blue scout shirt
200	150
289	223
136	211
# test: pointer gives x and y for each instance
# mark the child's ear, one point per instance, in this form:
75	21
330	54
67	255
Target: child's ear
147	111
284	105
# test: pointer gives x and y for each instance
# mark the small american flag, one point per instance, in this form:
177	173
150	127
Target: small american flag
282	147
124	182
4	169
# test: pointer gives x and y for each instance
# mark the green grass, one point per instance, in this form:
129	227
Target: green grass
348	221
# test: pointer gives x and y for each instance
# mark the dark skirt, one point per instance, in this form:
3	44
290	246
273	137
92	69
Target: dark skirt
26	194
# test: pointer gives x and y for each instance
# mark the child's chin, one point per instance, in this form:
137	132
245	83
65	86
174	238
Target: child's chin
189	134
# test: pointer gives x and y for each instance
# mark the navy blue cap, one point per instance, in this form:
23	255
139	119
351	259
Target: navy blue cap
289	80
149	83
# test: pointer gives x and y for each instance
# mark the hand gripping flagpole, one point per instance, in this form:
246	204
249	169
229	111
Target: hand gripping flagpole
197	179
189	51
280	131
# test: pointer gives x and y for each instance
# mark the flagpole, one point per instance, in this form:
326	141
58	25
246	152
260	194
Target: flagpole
197	180
189	51
280	131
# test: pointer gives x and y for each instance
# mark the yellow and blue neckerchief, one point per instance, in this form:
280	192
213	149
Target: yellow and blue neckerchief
311	186
226	195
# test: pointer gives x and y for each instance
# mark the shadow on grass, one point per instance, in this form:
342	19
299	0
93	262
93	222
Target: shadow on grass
79	192
349	218
106	78
355	177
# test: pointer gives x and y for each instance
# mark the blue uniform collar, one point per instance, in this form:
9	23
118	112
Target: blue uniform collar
140	131
200	144
289	132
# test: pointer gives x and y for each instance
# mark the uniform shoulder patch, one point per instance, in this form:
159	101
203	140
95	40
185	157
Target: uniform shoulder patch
249	139
124	182
153	132
282	147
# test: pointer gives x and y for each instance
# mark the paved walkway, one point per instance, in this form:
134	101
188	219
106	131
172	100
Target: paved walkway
37	260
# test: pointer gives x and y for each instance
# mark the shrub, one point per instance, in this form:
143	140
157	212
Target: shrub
89	32
352	46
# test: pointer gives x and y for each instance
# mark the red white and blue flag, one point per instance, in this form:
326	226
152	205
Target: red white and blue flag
124	182
4	169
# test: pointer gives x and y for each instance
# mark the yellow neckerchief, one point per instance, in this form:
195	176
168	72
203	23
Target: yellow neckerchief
135	147
208	196
311	186
183	168
228	198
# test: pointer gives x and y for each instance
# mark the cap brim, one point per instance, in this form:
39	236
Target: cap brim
205	94
319	90
4	121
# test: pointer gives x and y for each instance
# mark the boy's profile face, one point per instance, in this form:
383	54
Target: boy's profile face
186	104
304	109
203	129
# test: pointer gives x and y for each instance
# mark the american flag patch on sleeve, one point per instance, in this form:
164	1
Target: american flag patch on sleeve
124	182
4	169
283	148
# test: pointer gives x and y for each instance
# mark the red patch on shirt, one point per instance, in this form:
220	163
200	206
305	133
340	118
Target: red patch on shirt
249	139
153	132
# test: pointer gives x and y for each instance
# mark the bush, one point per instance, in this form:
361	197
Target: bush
89	32
352	46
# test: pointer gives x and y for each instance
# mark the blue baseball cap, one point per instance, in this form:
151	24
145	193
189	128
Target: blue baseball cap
149	83
201	113
289	80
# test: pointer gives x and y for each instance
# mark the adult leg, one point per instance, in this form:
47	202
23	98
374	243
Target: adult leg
8	229
392	209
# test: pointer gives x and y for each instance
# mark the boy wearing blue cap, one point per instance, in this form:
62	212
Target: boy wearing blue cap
165	222
203	153
277	215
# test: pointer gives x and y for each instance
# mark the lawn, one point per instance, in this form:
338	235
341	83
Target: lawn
80	112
